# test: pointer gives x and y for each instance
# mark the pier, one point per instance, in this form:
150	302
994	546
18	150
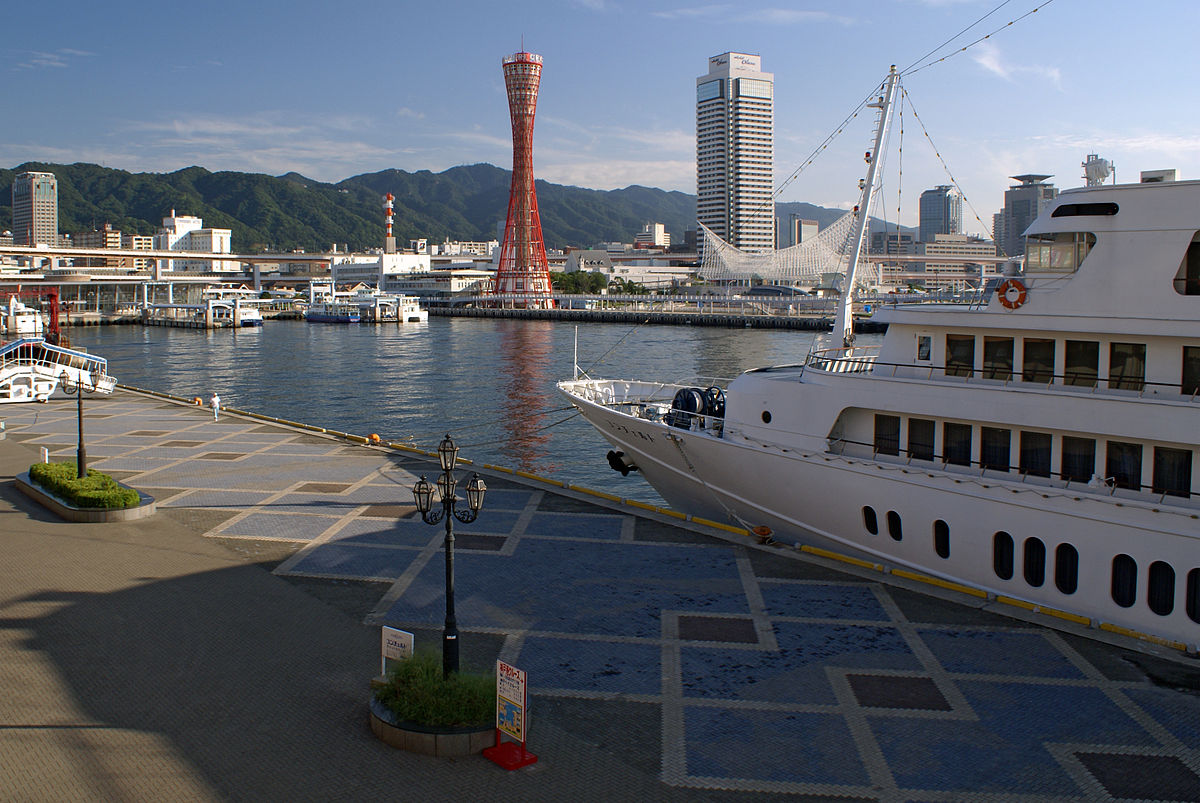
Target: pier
194	654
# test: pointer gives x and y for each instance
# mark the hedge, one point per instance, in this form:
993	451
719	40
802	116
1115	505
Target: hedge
96	490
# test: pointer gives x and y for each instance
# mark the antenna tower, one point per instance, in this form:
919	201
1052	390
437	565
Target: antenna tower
523	277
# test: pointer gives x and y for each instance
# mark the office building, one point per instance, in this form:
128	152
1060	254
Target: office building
941	212
652	235
1022	204
35	209
735	110
186	233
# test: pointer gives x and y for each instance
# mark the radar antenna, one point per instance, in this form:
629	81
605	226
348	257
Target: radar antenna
1096	170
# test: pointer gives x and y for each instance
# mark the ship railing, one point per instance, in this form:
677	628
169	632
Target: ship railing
929	461
862	359
53	361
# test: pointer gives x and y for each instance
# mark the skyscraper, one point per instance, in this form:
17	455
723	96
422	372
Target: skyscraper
735	111
35	209
941	212
1022	204
523	269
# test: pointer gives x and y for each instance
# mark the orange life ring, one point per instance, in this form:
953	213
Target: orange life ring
1012	293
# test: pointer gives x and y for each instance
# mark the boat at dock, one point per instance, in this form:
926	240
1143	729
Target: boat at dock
1042	446
18	320
31	369
333	312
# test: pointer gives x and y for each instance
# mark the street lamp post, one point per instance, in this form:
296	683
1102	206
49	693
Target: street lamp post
77	389
423	496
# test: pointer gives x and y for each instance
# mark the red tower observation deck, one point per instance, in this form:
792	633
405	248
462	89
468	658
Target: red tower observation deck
523	278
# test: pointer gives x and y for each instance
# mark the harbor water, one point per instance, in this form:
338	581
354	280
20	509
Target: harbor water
490	383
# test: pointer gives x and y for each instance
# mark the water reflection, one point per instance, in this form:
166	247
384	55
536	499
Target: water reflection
525	348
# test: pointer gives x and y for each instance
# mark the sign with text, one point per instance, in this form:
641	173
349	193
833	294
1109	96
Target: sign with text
511	700
397	645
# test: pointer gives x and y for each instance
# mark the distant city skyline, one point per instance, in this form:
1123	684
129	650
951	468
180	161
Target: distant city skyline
153	88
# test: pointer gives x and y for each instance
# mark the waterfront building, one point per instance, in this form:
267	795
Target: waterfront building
35	209
187	233
950	264
797	230
652	235
467	248
1023	202
137	242
107	237
376	268
735	110
940	212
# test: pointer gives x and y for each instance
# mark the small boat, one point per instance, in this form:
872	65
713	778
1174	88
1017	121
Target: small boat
333	312
408	310
18	320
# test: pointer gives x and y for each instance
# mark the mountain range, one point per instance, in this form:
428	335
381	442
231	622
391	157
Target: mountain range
282	213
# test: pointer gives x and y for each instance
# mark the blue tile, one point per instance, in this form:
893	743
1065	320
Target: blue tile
993	652
288	528
591	666
820	601
796	672
576	525
772	746
356	561
1178	712
387	532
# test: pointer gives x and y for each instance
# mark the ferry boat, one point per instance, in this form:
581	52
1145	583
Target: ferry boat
333	312
408	310
1043	446
18	320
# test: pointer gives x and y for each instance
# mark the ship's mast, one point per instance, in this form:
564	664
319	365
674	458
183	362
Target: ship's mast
845	323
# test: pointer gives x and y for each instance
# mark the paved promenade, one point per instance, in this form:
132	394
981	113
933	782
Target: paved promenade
220	650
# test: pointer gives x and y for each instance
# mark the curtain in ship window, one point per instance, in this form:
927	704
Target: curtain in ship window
956	439
1035	453
960	355
887	434
1082	362
1038	363
1127	366
1078	459
920	438
997	358
994	447
1190	384
1172	471
1124	464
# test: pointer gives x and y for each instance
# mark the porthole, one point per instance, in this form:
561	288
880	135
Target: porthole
941	539
870	521
894	529
1066	568
766	416
1124	580
1160	590
1035	562
1002	555
1192	600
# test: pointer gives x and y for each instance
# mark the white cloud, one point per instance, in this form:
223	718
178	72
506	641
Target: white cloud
988	56
58	59
773	16
613	174
404	111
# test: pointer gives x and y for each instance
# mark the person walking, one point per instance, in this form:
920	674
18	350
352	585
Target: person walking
215	401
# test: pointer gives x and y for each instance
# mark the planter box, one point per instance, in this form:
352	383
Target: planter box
442	742
86	514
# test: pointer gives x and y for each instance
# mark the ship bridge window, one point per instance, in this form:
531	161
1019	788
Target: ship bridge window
1187	280
1057	252
1080	210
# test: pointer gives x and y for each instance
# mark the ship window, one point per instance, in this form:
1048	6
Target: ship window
1127	366
1035	453
870	521
1066	568
994	447
1124	580
1124	464
960	355
1172	471
1057	252
956	443
1192	598
924	348
1076	210
920	438
1035	562
941	538
1078	459
1160	590
887	434
1082	362
1002	555
894	528
1190	384
997	358
1038	363
1187	280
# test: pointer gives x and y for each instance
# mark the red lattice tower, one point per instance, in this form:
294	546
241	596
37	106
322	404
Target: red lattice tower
524	274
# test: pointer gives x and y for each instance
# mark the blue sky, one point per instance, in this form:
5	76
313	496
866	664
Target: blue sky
334	90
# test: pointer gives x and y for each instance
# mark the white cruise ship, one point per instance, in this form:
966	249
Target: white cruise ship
1044	447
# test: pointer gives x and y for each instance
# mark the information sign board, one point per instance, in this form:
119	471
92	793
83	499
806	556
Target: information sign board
511	700
397	645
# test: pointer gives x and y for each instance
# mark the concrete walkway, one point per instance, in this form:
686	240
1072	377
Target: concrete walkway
221	649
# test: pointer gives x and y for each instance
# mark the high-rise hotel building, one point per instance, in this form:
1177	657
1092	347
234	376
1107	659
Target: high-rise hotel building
35	209
735	111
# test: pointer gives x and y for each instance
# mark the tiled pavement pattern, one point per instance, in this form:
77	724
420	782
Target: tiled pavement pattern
704	663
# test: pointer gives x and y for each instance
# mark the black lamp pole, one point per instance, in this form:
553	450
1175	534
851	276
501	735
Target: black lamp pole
77	389
423	496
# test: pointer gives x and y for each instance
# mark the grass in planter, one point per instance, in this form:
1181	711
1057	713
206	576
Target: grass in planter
96	490
415	692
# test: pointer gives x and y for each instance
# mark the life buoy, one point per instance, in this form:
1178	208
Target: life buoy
1012	293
